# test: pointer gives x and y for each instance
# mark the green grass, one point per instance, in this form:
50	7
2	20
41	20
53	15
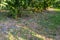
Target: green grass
50	20
55	19
57	9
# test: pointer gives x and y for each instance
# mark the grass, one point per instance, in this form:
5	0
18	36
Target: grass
47	20
23	33
57	9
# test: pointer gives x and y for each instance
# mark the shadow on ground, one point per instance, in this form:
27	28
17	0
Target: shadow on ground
38	26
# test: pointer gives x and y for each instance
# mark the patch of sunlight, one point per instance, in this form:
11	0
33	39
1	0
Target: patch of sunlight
20	38
41	36
56	9
53	9
37	35
4	10
11	37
